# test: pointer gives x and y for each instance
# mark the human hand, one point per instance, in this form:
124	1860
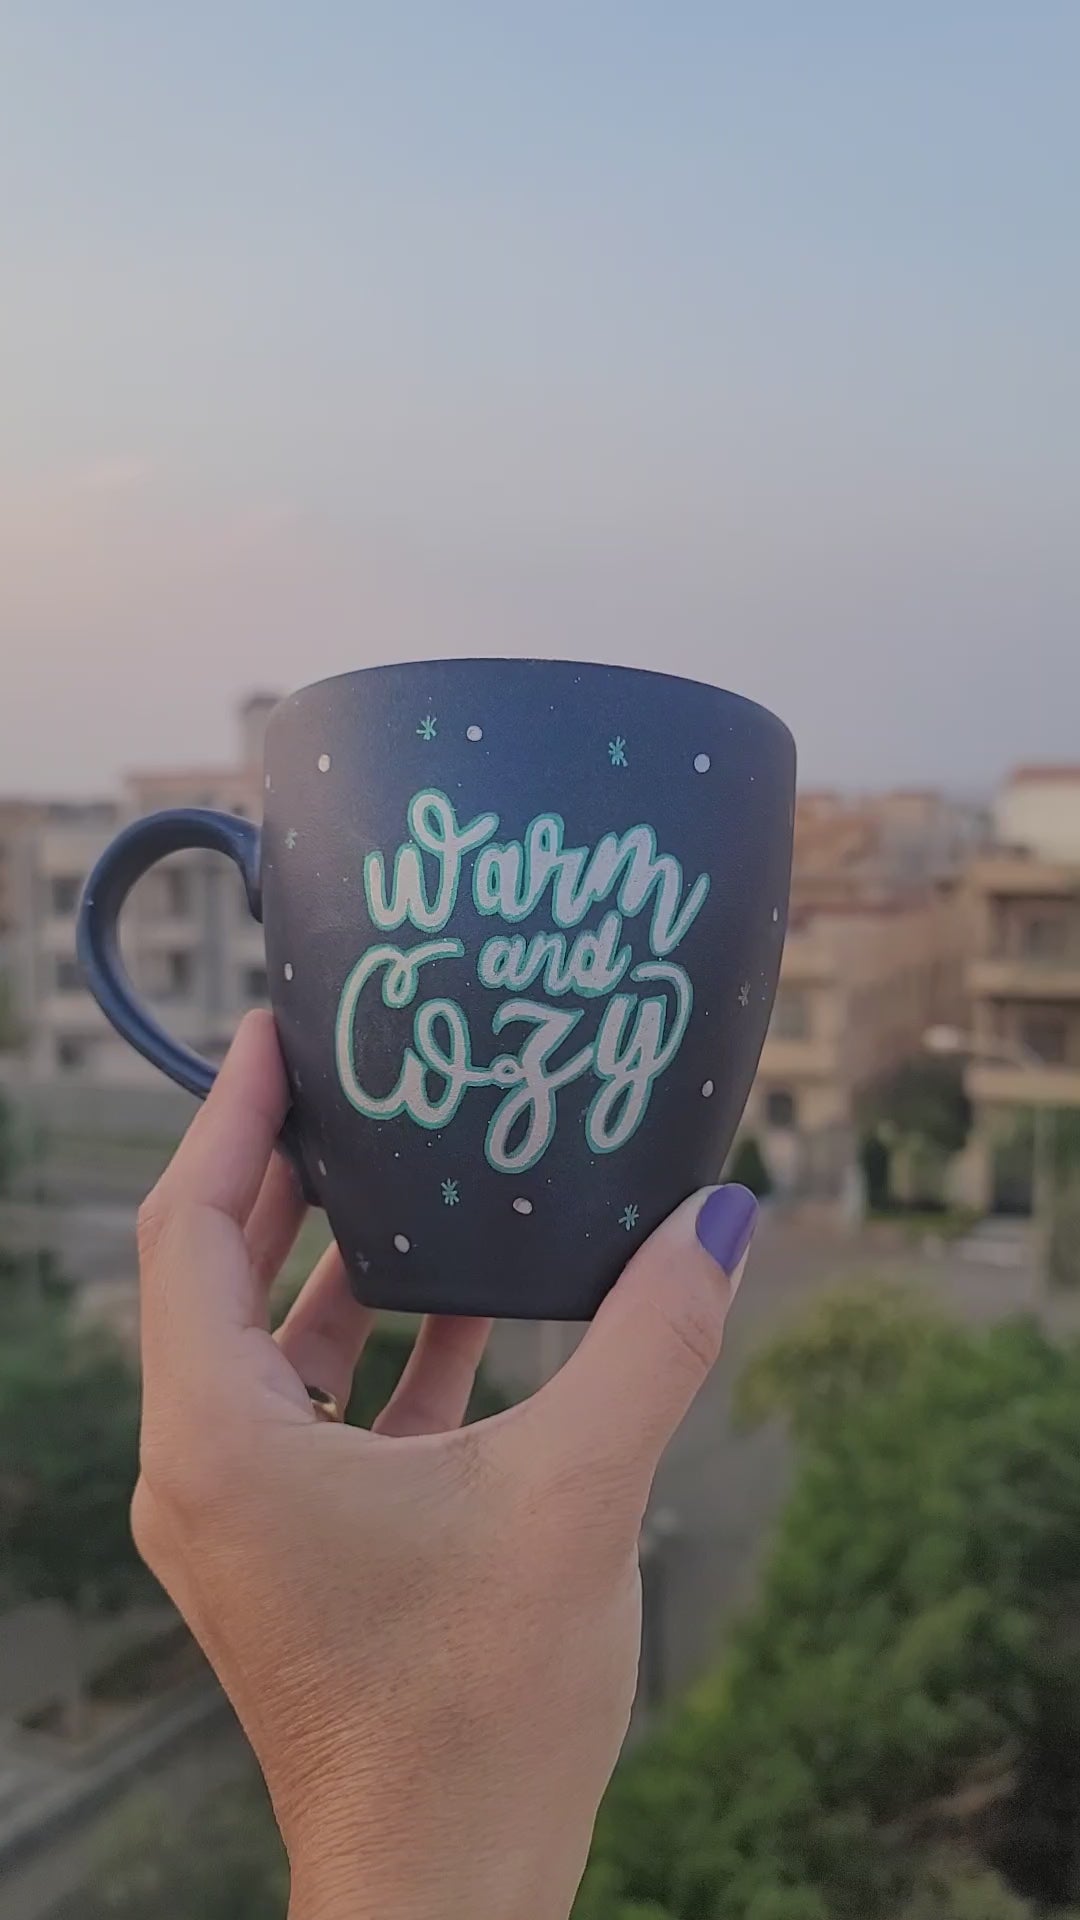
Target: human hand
430	1633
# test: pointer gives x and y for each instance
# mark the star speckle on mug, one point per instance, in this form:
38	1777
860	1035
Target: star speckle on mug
291	838
617	751
450	1194
428	727
629	1218
744	994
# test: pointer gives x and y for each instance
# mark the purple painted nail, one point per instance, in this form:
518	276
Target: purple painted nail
725	1225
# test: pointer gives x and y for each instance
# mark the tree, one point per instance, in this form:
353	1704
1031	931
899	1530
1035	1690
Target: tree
68	1448
222	1861
923	1101
748	1167
9	1148
874	1158
895	1731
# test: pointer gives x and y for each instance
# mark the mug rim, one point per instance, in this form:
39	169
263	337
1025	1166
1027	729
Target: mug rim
527	660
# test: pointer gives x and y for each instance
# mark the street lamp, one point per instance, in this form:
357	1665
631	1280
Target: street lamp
953	1041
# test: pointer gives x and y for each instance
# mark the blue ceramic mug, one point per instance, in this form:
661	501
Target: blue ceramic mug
523	932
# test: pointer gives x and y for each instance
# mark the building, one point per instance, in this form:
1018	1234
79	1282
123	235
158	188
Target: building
1023	978
189	940
877	845
860	981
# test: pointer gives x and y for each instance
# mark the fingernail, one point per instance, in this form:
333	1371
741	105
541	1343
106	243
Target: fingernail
725	1228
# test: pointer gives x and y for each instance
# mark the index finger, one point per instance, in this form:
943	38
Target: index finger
221	1161
196	1274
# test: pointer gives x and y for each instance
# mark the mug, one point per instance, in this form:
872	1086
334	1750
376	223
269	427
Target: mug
523	926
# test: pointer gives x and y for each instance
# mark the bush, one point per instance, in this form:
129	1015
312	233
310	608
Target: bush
748	1167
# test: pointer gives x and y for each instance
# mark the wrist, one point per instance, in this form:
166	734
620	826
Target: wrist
412	1878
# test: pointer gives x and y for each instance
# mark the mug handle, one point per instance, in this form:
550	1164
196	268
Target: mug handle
129	856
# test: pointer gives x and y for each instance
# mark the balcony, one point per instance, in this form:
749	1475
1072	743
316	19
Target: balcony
808	958
1019	876
1025	977
809	1059
1022	1086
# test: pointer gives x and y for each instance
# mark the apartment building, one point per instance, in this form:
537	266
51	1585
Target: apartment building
188	939
1023	977
876	845
860	982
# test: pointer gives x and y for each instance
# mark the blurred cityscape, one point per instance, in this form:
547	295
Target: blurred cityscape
912	910
915	1112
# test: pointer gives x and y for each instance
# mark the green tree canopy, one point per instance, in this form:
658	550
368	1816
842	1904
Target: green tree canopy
895	1732
923	1101
68	1451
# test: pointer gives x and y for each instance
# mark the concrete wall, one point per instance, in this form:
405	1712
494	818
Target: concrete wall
1041	814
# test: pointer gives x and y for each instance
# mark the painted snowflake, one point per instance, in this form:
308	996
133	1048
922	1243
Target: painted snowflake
744	994
291	838
450	1193
617	751
629	1218
427	728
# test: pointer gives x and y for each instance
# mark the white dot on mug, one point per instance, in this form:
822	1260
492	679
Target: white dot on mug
401	1243
266	783
474	733
324	763
707	1090
288	969
702	763
522	1206
321	1164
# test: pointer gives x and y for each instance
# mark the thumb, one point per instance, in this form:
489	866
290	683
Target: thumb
624	1391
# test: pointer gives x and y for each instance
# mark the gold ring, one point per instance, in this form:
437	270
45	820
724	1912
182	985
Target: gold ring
324	1406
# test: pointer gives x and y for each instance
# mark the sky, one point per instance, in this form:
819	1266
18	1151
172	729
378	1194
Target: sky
736	340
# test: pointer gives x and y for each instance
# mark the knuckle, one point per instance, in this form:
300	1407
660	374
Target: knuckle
151	1222
146	1530
183	1481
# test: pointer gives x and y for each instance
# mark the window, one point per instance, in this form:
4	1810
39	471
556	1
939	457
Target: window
1045	937
780	1109
68	977
791	1015
1046	1034
176	892
256	985
64	893
179	973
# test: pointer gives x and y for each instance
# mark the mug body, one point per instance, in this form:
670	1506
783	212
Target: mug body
523	930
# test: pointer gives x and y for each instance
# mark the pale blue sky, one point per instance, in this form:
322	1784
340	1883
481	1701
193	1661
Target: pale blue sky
735	339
